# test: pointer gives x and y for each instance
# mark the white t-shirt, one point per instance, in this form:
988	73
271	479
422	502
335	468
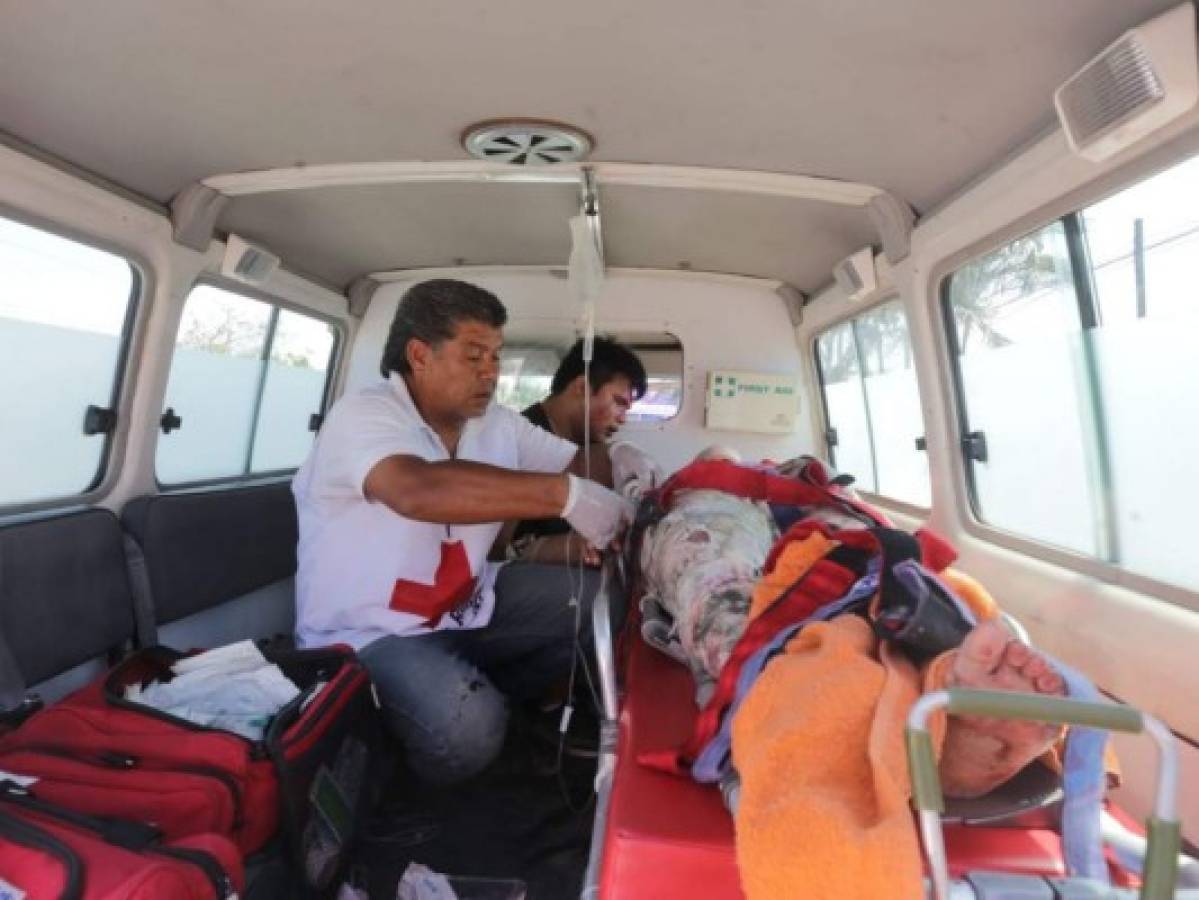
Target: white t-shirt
360	562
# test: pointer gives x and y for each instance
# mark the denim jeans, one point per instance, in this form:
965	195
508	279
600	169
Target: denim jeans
444	694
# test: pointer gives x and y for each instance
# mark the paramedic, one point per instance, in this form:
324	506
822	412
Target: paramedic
588	408
399	502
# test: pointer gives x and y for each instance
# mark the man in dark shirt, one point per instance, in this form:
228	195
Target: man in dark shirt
588	411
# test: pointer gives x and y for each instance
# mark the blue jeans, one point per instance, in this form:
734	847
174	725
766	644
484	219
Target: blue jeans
444	693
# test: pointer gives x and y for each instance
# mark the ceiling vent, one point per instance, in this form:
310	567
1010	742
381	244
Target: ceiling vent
856	275
526	142
247	262
1145	80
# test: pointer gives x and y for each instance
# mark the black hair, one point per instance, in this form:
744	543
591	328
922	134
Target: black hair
430	311
608	359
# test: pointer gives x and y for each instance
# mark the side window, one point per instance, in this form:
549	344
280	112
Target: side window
1077	366
1143	246
66	312
848	435
246	391
526	373
1015	326
525	376
872	404
662	356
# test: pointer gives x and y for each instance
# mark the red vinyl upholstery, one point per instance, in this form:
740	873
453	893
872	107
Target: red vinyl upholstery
667	837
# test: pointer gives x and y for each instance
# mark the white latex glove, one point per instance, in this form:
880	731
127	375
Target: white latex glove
595	512
633	470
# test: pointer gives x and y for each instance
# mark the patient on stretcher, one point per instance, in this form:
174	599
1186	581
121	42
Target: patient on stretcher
703	562
812	626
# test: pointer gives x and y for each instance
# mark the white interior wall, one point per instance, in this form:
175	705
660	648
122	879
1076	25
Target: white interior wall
1136	639
723	322
43	196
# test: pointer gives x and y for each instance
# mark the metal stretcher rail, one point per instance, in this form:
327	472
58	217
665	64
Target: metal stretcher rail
1164	829
601	626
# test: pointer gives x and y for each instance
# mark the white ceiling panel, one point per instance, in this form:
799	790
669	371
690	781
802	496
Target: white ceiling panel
738	234
916	97
338	234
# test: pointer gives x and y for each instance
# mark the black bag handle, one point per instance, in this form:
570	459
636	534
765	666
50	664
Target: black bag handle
123	833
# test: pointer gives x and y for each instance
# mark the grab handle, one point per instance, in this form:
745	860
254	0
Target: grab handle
1164	830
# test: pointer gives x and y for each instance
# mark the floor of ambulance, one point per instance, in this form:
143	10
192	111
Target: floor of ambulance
527	817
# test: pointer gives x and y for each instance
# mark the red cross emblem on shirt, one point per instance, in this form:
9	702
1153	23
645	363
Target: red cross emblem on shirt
452	586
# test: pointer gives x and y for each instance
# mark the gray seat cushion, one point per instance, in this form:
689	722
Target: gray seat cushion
64	592
202	549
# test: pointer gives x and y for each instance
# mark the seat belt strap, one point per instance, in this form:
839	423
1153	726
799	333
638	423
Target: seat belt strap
143	600
12	683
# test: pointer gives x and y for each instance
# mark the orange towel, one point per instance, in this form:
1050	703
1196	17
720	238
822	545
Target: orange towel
818	743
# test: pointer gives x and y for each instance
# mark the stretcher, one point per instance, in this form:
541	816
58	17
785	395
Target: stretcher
661	837
1160	863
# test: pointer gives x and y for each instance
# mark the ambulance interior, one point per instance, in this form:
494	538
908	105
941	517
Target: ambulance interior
903	238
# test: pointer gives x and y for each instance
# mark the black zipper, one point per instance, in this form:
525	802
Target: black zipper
135	837
28	835
125	762
213	871
120	832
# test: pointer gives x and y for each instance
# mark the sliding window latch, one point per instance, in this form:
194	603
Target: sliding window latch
315	421
974	445
921	443
169	421
98	420
830	437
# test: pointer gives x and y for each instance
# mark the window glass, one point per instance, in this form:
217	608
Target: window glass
1146	220
662	356
246	378
525	376
296	375
845	404
893	404
1016	322
64	317
872	401
1083	378
662	400
1147	369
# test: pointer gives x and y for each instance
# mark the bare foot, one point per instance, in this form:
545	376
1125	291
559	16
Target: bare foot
982	753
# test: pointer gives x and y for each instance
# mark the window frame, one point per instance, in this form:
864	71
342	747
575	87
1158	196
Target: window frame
902	506
277	304
142	285
956	424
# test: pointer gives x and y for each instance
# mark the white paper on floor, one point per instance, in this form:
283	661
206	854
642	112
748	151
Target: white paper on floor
422	883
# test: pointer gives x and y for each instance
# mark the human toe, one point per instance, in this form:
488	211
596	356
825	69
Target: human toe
980	653
1034	667
1050	683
